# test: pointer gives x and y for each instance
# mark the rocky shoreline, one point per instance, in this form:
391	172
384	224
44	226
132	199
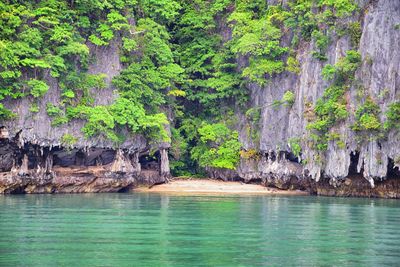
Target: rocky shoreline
101	179
33	169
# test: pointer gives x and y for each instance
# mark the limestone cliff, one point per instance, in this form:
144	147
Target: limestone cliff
378	77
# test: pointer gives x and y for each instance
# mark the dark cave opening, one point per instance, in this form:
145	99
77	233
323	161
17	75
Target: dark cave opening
150	162
291	157
392	172
77	157
354	157
36	155
7	155
271	155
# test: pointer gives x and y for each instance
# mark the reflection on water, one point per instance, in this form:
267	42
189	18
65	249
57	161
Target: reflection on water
165	230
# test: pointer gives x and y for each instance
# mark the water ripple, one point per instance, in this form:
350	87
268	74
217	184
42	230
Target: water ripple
163	230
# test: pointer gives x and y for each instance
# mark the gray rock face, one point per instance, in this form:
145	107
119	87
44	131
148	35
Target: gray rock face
36	128
223	174
379	76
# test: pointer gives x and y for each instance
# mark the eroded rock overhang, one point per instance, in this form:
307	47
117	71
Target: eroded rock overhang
31	165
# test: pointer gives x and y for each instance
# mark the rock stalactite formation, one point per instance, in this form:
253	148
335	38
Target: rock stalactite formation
56	170
164	166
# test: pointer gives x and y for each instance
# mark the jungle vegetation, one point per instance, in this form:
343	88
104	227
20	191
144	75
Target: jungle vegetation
179	58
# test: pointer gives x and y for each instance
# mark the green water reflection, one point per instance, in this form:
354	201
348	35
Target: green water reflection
166	230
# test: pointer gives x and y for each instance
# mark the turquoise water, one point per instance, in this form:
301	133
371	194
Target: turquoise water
165	230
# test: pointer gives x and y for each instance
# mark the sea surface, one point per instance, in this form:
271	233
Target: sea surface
142	229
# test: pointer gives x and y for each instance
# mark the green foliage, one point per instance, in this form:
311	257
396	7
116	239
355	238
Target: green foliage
129	45
113	22
184	138
341	8
333	136
68	140
38	88
34	108
218	147
5	113
133	115
106	121
56	114
254	114
68	94
99	122
258	69
330	109
257	36
288	98
293	65
211	76
295	147
328	72
348	65
344	69
161	10
355	31
49	37
367	116
59	120
393	116
321	42
179	154
367	121
52	110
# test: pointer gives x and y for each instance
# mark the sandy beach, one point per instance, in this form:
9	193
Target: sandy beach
207	186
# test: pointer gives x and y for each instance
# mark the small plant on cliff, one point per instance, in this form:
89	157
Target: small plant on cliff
336	137
295	147
38	88
343	71
68	140
254	114
321	42
367	117
293	65
330	109
5	113
393	116
250	154
355	31
34	108
288	98
52	110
